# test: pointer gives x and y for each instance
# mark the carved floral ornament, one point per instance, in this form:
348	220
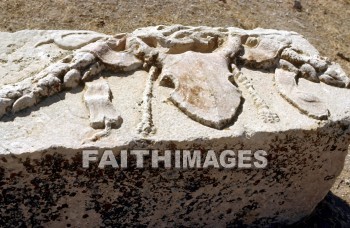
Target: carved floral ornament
201	64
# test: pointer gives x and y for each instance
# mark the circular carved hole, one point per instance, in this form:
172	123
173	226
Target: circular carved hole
167	81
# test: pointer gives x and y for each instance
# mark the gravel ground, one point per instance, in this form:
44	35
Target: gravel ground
325	23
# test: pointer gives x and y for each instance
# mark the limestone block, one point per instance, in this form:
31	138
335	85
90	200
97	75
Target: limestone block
168	88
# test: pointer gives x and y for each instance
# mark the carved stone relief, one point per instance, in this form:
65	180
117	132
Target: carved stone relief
201	64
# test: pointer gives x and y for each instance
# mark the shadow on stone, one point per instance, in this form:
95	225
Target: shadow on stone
332	211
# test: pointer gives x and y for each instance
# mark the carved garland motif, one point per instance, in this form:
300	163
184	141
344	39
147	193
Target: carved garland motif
201	64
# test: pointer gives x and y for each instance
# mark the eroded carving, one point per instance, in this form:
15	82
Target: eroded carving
290	63
202	88
103	115
195	61
72	40
263	52
146	126
263	109
304	101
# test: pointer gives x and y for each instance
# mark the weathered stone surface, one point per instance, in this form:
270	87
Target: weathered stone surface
176	87
102	113
306	102
72	78
5	103
202	88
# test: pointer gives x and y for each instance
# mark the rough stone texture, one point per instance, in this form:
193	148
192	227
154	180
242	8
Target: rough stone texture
101	111
198	89
72	78
282	108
